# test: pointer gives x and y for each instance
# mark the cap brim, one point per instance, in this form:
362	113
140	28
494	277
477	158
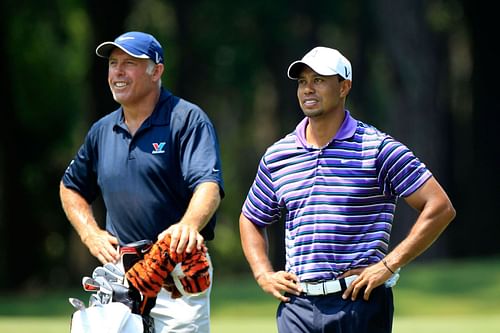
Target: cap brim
297	66
104	50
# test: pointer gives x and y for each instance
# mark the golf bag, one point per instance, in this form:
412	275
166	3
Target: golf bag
145	269
114	305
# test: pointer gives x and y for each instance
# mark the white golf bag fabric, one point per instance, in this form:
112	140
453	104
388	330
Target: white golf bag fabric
108	318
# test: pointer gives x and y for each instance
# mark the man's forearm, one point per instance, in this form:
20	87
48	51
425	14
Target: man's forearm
203	205
255	247
100	243
436	212
78	211
421	237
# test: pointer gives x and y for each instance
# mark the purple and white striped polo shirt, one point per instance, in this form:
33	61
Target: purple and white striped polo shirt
339	200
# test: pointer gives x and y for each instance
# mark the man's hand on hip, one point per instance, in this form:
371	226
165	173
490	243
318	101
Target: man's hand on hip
102	245
369	278
278	283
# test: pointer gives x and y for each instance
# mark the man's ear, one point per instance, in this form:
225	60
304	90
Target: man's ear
345	87
158	71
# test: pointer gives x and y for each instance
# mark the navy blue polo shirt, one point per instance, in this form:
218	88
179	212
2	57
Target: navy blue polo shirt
148	179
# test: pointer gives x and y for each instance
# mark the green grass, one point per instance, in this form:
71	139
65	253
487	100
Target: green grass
450	288
458	297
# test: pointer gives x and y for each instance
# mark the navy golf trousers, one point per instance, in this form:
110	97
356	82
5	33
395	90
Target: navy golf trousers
332	314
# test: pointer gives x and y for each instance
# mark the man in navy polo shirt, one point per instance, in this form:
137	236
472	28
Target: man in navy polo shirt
337	179
156	163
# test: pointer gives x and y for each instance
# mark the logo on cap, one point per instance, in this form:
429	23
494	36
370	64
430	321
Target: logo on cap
124	38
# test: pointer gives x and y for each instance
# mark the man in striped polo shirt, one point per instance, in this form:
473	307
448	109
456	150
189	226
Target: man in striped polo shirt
337	180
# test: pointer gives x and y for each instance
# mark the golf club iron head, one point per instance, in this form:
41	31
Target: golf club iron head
90	284
107	274
76	303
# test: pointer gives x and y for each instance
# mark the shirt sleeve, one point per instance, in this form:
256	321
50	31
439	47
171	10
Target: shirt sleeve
261	205
81	175
400	172
200	156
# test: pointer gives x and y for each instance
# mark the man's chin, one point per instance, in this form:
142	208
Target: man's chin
119	98
312	113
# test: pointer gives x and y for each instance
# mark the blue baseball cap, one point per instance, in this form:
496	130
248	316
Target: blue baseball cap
137	44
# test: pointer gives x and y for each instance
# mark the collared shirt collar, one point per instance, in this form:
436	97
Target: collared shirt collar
157	118
346	130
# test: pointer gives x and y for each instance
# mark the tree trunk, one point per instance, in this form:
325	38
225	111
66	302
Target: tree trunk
478	182
417	112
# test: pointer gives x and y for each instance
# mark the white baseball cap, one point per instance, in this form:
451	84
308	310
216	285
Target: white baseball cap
324	61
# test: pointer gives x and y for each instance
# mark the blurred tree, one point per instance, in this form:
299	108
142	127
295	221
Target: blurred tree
8	109
416	76
108	21
477	155
38	48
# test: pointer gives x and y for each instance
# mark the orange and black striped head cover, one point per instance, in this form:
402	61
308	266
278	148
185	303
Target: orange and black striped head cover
149	274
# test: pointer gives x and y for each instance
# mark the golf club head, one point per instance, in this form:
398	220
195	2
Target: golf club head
90	284
107	274
104	297
76	303
94	300
105	285
114	269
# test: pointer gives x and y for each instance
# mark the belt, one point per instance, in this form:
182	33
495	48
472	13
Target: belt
327	287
